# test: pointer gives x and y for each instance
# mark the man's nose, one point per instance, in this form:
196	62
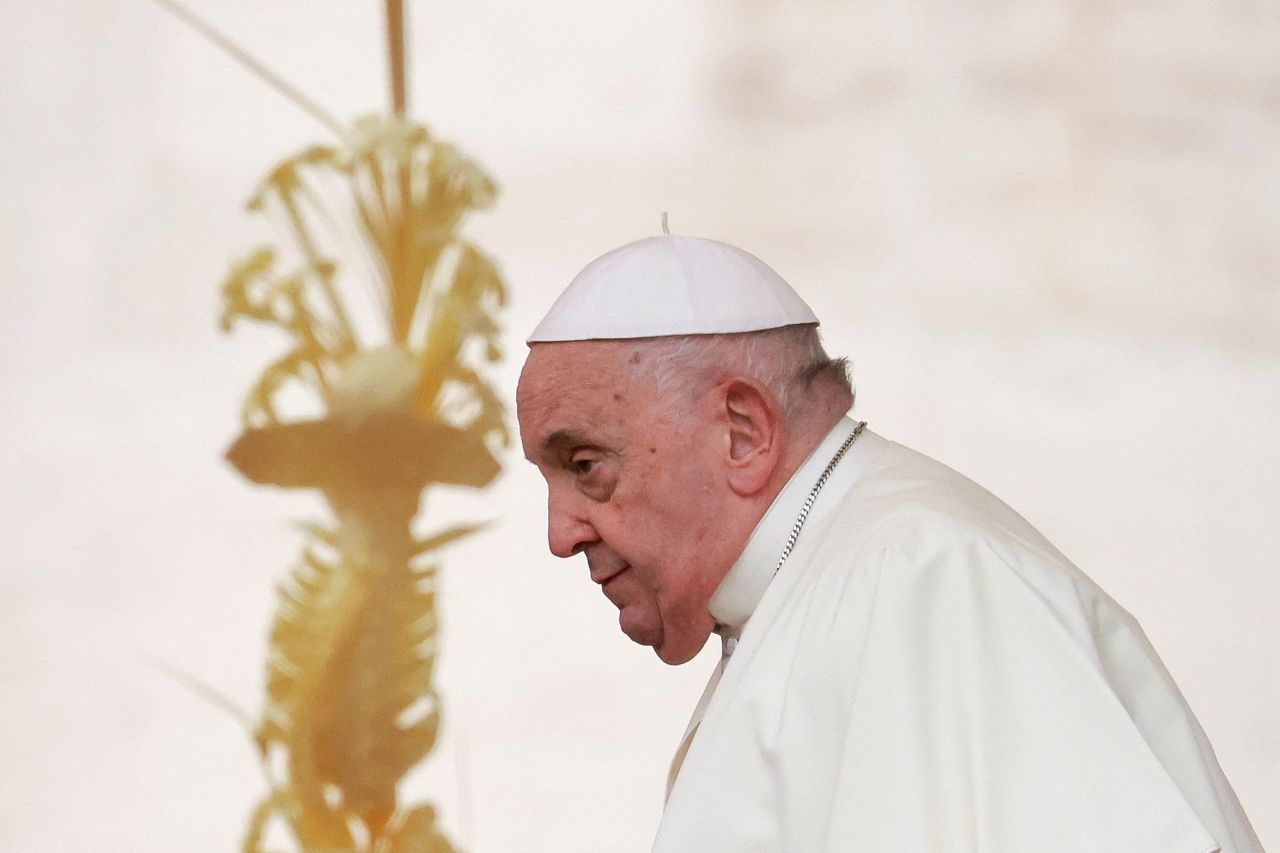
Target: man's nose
568	532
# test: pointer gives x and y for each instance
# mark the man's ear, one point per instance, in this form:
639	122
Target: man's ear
754	445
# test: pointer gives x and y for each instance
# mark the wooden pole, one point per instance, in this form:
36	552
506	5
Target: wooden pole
396	57
403	291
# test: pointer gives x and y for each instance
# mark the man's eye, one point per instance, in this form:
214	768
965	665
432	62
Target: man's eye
590	474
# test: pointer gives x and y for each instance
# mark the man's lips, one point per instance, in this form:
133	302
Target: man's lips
603	576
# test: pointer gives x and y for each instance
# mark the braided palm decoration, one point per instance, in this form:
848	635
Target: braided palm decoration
350	704
389	316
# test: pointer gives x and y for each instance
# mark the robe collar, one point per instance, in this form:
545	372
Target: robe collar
742	588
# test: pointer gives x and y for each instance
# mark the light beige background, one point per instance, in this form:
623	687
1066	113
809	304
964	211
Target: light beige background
1044	231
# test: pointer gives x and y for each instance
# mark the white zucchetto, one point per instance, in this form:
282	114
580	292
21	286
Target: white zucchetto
672	285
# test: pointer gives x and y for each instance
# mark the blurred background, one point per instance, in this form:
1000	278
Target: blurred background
1045	233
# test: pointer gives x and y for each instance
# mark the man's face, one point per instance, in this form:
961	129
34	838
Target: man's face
634	489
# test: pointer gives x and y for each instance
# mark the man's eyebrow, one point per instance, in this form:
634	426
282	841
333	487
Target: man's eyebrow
563	439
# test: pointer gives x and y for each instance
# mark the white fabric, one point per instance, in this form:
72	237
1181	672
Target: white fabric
692	728
672	285
927	673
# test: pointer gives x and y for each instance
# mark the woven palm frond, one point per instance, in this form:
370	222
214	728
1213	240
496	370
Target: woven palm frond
395	406
445	537
350	702
416	832
319	603
349	676
463	313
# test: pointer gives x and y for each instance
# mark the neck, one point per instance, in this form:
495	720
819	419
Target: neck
742	587
801	439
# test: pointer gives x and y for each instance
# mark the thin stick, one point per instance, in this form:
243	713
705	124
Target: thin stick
312	254
401	245
396	55
265	74
203	690
216	698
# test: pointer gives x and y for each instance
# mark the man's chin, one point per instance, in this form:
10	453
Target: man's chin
671	647
681	650
638	630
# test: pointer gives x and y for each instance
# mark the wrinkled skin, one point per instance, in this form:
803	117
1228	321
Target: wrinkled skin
656	503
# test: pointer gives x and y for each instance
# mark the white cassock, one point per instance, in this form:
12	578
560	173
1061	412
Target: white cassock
927	673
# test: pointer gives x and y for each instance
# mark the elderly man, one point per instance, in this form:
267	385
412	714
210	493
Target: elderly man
907	664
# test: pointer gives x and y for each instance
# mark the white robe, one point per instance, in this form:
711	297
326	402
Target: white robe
927	673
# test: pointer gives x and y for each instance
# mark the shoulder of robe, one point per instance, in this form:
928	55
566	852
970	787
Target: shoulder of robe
914	534
976	651
989	663
916	508
937	540
904	489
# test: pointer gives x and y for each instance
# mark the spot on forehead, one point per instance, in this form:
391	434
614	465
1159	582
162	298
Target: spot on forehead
635	358
617	398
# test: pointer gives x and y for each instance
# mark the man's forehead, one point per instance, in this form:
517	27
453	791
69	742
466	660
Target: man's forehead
583	365
573	393
562	374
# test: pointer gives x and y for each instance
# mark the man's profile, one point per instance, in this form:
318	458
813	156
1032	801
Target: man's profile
907	664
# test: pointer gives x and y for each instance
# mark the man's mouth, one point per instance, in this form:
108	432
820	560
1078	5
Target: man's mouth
603	576
609	586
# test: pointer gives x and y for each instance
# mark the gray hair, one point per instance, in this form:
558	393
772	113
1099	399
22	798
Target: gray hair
789	361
